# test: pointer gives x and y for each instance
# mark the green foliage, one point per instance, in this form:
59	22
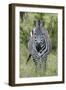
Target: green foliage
26	25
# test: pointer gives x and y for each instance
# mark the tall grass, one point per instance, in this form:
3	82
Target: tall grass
28	70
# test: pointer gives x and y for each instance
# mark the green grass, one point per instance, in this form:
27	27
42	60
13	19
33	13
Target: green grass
28	70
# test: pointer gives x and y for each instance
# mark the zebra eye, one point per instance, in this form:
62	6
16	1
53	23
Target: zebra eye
41	40
35	37
35	40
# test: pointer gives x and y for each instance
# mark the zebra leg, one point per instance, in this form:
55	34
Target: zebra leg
44	66
40	67
37	68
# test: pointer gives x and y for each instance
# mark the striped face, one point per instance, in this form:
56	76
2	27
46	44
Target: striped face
40	43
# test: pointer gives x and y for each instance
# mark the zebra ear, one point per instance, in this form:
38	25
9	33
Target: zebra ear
41	22
34	22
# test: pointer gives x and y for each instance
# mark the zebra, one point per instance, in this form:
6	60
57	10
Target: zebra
39	46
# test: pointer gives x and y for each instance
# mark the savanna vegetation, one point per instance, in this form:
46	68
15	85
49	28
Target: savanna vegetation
26	25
